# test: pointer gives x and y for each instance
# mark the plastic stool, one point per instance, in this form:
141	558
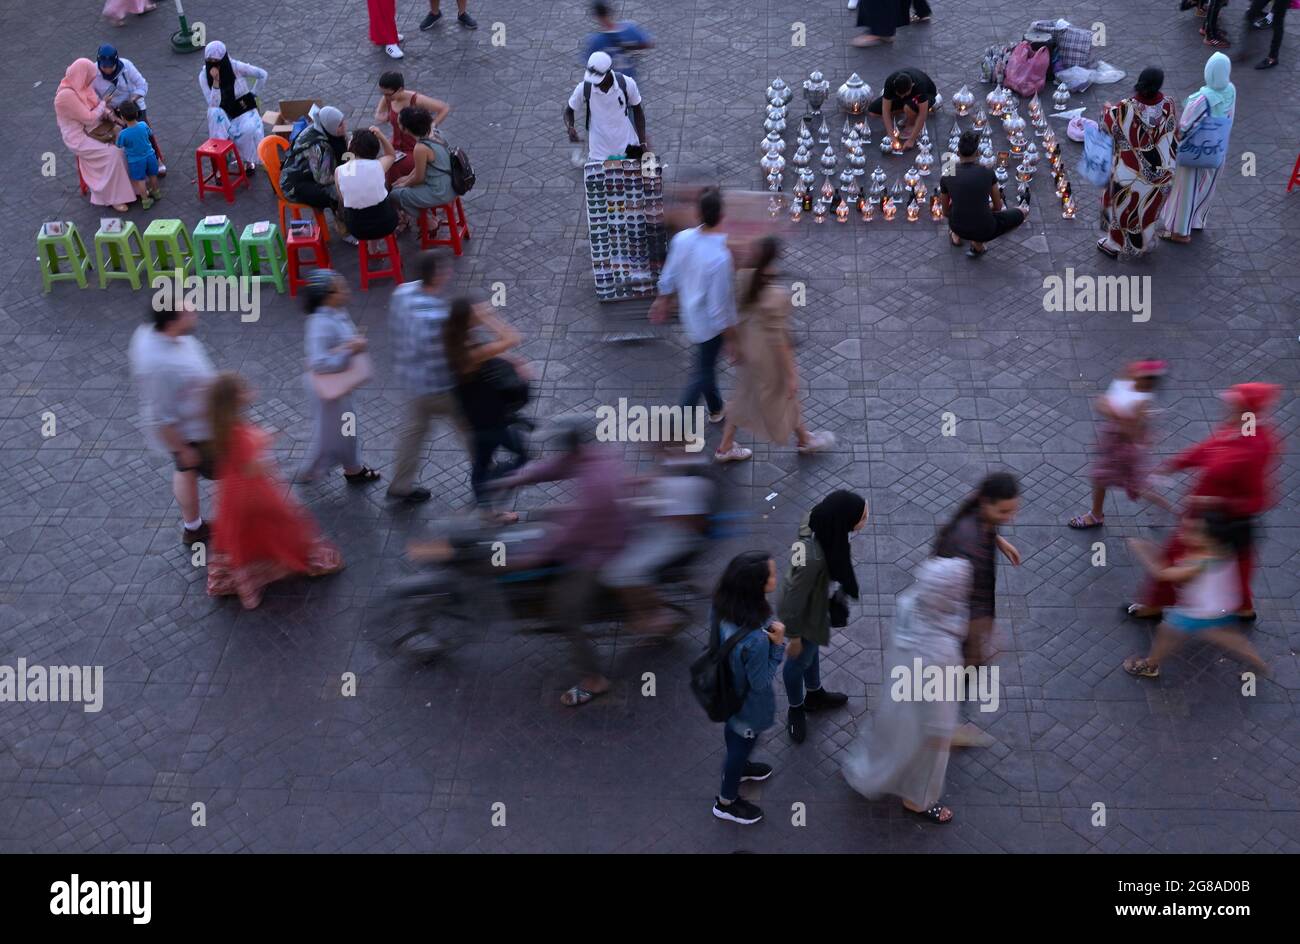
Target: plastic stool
72	264
1295	176
262	255
164	254
215	250
394	258
457	226
115	258
306	251
218	177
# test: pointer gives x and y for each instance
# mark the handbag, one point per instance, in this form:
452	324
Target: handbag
1098	156
1206	144
502	376
105	132
1027	69
342	382
838	607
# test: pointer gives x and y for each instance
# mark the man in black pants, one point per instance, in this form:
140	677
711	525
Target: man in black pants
1258	20
910	92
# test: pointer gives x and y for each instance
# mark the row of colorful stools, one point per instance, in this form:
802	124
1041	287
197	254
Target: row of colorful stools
165	248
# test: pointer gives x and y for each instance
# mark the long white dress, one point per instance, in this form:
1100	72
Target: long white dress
903	752
246	130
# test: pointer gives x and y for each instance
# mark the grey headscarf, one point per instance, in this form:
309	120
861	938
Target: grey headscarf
329	119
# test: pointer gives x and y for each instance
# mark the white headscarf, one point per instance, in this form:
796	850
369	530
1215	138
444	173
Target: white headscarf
214	50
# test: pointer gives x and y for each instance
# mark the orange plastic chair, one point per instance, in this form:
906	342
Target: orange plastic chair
268	152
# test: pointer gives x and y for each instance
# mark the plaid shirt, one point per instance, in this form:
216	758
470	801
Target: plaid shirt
415	322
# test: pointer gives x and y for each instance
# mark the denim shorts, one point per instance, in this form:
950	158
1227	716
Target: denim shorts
1194	624
142	167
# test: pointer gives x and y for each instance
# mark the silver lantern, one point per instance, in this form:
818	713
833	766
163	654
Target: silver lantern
773	140
823	133
963	100
779	93
854	95
924	162
815	90
1060	98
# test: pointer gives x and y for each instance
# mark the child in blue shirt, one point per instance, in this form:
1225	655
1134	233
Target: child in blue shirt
141	160
620	40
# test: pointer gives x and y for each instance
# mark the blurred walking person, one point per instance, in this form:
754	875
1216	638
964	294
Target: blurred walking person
260	534
904	750
821	557
972	534
333	344
1124	442
766	398
740	606
699	276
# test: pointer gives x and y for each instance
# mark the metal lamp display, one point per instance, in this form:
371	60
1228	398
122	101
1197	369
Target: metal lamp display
815	90
1061	97
773	140
963	100
779	93
773	165
854	95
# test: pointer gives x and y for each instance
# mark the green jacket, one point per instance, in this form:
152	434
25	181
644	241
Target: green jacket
805	597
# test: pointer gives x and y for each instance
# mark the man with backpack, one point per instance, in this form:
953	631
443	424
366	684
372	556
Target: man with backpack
614	118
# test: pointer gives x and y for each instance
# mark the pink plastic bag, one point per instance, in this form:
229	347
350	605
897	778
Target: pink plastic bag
1026	70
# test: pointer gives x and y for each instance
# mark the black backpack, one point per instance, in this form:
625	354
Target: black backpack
462	172
711	679
586	97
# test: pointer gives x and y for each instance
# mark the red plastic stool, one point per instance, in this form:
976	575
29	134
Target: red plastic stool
85	190
306	251
219	178
1295	176
390	254
453	214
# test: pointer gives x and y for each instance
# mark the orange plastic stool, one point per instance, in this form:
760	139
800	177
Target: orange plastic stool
390	254
306	251
453	214
268	152
218	177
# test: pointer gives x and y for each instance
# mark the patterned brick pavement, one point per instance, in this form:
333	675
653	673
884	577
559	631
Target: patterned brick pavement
242	710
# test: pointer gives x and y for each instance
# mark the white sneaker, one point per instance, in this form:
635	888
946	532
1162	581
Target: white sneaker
718	417
818	442
400	37
853	4
734	454
394	51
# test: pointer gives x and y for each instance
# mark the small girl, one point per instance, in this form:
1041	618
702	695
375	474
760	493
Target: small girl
141	159
1125	409
1208	593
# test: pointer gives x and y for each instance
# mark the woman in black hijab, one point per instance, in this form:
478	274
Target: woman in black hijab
820	556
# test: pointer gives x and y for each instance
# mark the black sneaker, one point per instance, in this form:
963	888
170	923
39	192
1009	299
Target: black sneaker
428	21
822	700
467	21
1263	23
796	724
414	497
738	811
756	771
190	536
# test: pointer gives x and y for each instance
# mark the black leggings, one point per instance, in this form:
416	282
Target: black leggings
1279	21
1004	221
306	190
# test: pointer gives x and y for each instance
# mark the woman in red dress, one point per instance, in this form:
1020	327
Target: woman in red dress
260	534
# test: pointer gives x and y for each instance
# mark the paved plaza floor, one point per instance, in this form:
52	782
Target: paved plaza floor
243	711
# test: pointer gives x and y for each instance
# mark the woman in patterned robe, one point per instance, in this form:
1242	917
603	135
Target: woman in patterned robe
1142	129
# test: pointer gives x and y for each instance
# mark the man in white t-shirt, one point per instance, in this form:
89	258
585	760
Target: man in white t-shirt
612	104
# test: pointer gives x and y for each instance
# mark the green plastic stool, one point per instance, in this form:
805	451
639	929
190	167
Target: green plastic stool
215	249
72	263
116	258
168	251
262	256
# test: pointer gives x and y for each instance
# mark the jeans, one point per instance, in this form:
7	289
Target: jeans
739	748
1279	22
802	673
486	443
704	380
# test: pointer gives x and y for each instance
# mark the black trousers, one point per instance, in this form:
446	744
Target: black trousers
1279	21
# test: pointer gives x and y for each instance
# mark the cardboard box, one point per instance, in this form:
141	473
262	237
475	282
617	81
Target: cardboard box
291	110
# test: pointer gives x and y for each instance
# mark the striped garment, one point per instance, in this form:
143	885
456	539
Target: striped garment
1189	199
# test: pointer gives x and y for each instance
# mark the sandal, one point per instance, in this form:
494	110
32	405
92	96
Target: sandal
934	814
1083	522
1141	668
578	696
366	474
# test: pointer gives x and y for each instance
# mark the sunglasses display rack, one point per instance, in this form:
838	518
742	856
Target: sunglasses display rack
625	221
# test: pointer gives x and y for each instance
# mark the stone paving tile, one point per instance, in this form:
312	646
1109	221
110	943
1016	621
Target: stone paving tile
243	711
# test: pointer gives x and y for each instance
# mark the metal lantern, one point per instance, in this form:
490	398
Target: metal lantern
995	102
987	159
1000	174
878	179
779	93
1024	173
827	193
888	208
1035	106
801	157
857	160
936	208
809	181
1061	97
924	162
824	133
848	185
828	161
815	90
773	165
847	134
796	211
921	191
1031	155
1067	208
868	211
773	140
805	133
819	212
911	178
963	100
774	206
981	120
913	211
774	124
842	211
863	128
854	95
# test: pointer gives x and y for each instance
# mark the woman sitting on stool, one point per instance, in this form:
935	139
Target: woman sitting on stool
368	212
973	203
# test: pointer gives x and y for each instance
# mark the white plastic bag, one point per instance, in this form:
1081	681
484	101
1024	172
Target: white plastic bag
1106	74
1079	78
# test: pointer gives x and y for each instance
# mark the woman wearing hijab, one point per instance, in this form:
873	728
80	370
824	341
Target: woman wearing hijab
1142	128
820	556
904	750
230	86
307	174
119	82
332	341
1237	464
79	111
1189	200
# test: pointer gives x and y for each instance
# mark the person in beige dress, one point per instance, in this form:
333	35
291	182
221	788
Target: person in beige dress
766	399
